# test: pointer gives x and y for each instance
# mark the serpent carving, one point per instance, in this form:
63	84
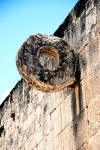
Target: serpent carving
47	63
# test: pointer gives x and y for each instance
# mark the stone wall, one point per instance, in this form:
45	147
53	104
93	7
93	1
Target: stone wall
65	120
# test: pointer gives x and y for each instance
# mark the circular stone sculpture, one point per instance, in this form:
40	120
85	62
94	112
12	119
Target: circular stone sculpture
46	63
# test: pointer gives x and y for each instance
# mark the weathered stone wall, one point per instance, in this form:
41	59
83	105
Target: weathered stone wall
65	120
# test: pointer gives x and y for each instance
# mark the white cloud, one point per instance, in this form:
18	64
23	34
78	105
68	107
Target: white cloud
4	95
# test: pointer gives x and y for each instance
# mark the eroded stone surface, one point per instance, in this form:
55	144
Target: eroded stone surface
68	119
47	63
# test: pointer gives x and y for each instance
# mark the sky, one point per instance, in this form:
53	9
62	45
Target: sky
18	20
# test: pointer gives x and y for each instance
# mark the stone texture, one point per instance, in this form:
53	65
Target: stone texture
94	115
34	67
47	125
83	147
68	119
94	141
57	123
49	104
80	129
66	112
50	141
67	134
58	142
93	89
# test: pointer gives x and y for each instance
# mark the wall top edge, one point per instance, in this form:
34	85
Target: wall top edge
9	97
80	8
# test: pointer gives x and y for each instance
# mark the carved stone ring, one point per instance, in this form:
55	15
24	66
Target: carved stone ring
47	63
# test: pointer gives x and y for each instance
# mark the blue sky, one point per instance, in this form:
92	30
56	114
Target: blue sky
18	20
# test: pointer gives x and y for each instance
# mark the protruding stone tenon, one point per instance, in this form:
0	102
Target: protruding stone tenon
47	63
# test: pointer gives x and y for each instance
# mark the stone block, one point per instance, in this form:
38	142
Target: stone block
38	117
26	145
8	122
58	142
94	115
36	97
41	145
67	91
50	141
7	134
98	11
92	84
30	119
25	125
59	97
46	125
49	104
7	114
31	142
83	147
0	142
13	127
83	62
97	33
93	54
16	134
16	91
20	141
35	102
52	120
57	122
22	118
33	93
35	148
80	129
67	138
6	145
66	111
35	139
89	57
94	141
29	109
39	133
90	18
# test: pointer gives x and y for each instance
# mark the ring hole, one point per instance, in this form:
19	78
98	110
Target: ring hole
49	57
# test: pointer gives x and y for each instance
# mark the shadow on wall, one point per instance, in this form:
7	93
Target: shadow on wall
79	123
